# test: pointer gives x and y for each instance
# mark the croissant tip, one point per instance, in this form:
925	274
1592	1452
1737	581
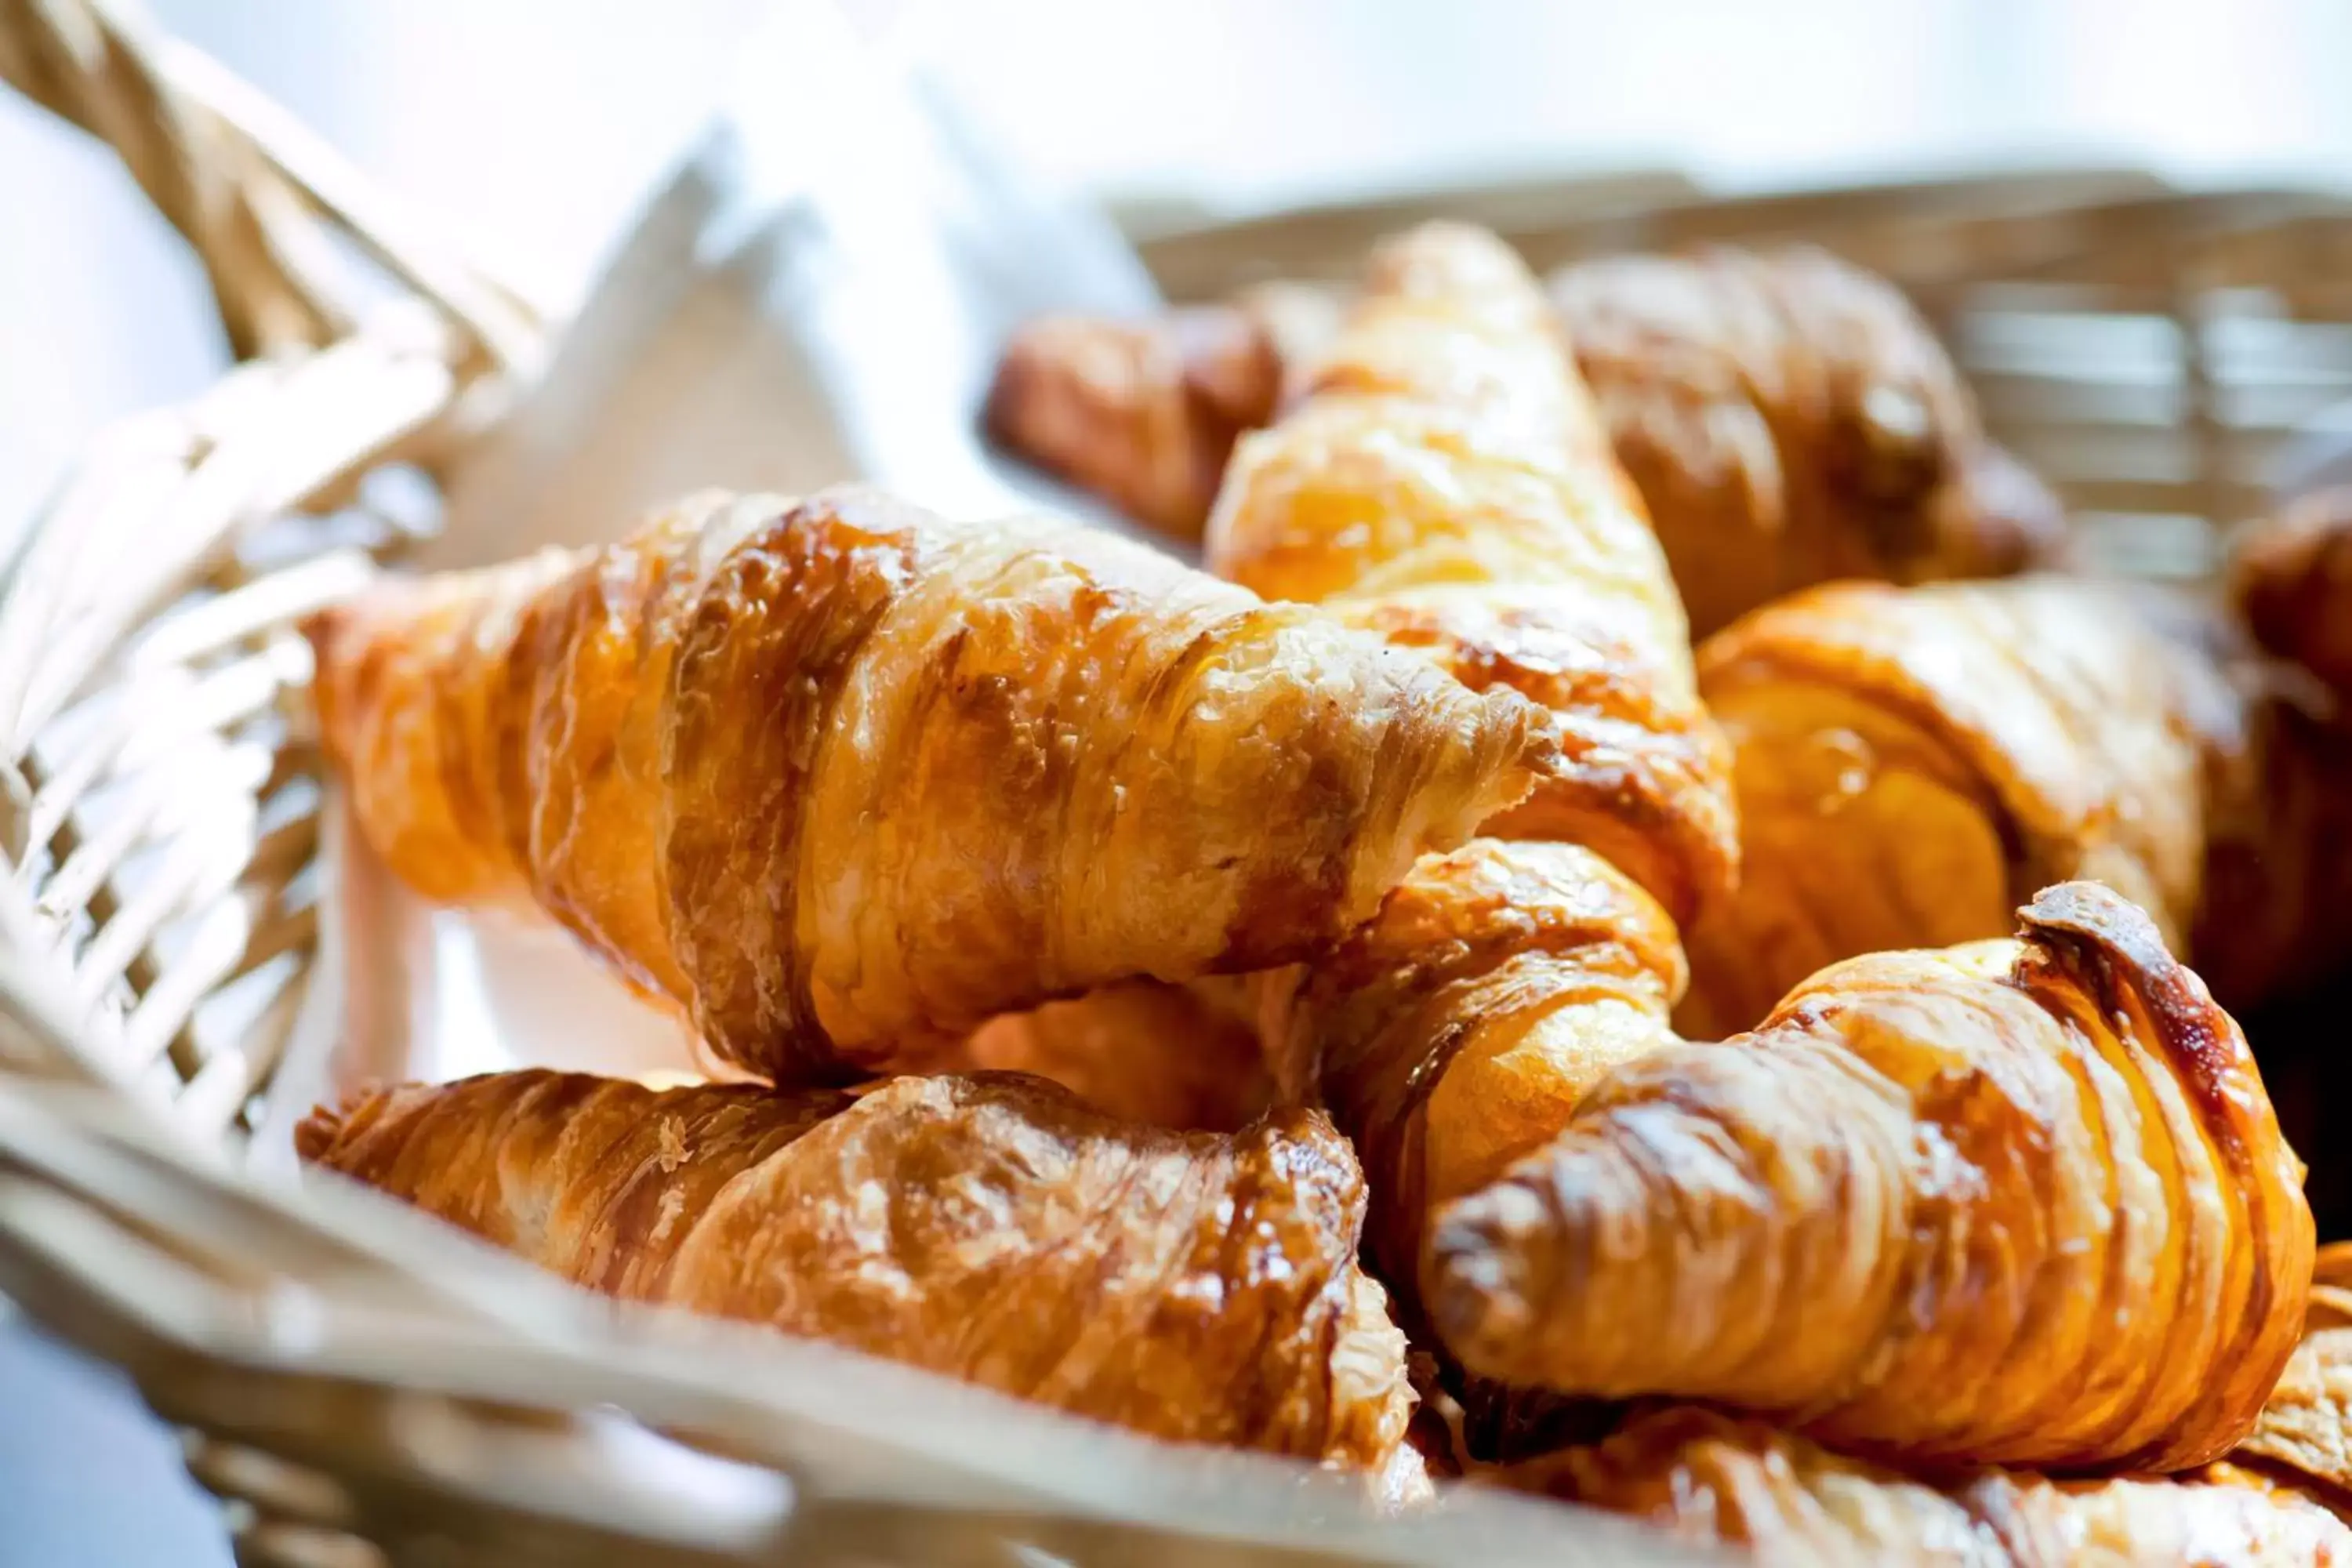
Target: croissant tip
1475	1285
318	1135
2120	957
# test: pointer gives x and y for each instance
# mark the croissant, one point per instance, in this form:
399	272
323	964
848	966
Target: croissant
1787	418
2291	579
1455	1032
1145	413
1714	1479
1912	762
846	782
2022	1202
1444	482
1196	1286
1790	419
2304	1432
1183	1056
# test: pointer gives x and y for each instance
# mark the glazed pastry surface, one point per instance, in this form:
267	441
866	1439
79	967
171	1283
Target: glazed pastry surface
1444	481
846	781
2021	1201
1196	1286
1911	764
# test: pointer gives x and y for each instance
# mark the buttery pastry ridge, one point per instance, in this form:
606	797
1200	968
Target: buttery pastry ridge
1455	1032
845	781
2280	1498
2022	1202
1444	482
1912	762
1200	1288
2304	1432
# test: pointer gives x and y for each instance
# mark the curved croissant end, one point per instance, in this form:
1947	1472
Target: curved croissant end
1913	763
1145	413
1456	1032
2024	1202
1196	1286
1445	483
848	781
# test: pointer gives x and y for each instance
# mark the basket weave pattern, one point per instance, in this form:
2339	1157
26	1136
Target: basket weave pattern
160	813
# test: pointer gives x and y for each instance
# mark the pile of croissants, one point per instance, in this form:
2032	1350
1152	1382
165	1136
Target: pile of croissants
1381	999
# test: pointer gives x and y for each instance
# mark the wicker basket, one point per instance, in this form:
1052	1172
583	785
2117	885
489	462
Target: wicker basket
362	1386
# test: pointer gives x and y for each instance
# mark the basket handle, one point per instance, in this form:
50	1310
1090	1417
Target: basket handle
271	211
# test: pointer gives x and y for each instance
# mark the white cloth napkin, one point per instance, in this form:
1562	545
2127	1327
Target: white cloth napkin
817	293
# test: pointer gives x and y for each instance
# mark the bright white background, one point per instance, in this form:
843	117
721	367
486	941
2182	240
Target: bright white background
536	123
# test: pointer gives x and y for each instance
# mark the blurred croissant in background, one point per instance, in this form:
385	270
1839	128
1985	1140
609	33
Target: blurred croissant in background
1442	481
845	781
1200	1288
1912	762
1787	418
1145	413
2291	579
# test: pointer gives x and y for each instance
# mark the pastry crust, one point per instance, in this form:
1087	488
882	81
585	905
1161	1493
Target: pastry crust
1195	1287
2291	580
846	781
1445	483
1914	762
1791	420
1146	413
1787	418
1715	1480
1183	1056
1456	1032
2020	1202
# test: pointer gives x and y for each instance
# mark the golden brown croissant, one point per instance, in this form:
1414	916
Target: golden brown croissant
1184	1057
1714	1479
1787	418
2022	1202
2291	579
1145	413
2305	1431
1445	483
1456	1032
846	781
1790	419
1913	763
1195	1287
